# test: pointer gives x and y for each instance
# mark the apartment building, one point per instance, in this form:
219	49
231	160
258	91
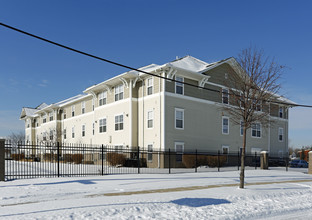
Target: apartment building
137	109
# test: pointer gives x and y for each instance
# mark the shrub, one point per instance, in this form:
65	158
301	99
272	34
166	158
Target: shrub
116	159
213	161
18	156
77	158
189	161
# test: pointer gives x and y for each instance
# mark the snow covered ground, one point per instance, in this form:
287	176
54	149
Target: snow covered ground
210	195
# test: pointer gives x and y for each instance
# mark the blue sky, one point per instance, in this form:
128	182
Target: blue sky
138	33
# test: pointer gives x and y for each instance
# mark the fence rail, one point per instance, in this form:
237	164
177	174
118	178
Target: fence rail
59	160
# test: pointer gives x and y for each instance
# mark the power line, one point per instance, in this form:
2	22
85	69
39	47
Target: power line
128	67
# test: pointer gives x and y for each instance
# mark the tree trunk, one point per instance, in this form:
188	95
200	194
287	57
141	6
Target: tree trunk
242	172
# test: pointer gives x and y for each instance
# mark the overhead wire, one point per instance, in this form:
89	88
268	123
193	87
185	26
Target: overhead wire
131	68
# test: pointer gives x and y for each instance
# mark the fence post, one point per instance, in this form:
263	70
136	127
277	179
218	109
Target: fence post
2	159
138	159
169	162
286	163
255	160
196	161
218	160
58	159
102	159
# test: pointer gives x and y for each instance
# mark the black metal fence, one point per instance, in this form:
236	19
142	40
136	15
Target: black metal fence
59	160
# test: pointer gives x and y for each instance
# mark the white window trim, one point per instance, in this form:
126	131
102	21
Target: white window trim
72	110
281	129
175	118
228	126
103	125
101	97
83	129
73	132
226	94
179	143
279	112
240	128
150	86
150	119
123	122
260	131
150	152
83	107
175	85
118	90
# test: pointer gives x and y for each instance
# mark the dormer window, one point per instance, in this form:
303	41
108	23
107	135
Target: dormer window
179	86
119	91
102	98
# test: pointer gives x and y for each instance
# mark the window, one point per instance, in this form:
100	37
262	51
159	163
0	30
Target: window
256	130
83	107
118	122
179	149
179	118
44	118
256	105
149	86
281	112
51	135
225	150
150	117
280	134
102	125
119	90
179	86
150	153
50	116
225	96
93	104
73	132
93	128
103	98
73	110
241	128
83	129
64	114
64	134
225	125
44	136
28	123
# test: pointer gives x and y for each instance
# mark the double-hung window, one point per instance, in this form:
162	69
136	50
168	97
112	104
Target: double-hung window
50	116
83	107
225	96
241	128
118	122
150	153
73	110
51	135
179	118
64	134
179	149
119	91
102	125
256	130
64	114
179	86
83	131
150	119
44	136
102	98
149	86
44	118
73	132
225	125
257	105
280	134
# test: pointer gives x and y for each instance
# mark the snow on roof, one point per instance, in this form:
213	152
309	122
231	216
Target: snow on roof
189	63
42	106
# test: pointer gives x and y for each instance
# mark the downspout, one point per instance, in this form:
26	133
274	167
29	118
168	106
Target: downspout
130	114
160	106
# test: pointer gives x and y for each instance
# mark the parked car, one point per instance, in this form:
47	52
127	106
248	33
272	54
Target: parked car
299	163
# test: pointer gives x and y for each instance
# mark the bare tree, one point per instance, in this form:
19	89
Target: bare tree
252	87
16	137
